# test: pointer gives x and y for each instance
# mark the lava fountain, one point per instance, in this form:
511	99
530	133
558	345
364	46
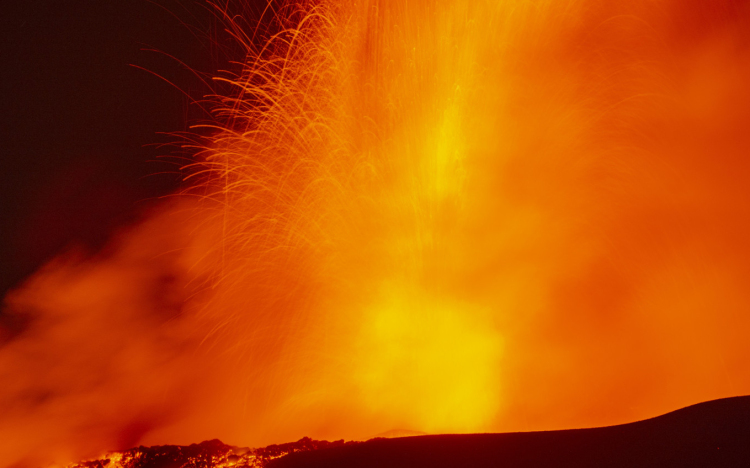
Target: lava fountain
454	216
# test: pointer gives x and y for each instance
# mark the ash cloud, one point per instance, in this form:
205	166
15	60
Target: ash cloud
103	351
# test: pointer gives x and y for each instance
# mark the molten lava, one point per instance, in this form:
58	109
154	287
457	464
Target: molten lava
440	216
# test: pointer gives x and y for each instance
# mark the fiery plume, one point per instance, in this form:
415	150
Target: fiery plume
442	216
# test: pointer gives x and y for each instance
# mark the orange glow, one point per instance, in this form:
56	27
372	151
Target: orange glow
439	216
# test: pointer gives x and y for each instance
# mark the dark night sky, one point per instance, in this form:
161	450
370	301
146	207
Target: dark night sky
80	123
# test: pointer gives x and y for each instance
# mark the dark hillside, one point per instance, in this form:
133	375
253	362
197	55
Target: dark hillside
710	434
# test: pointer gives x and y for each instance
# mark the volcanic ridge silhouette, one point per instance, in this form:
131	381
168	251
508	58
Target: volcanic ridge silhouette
710	434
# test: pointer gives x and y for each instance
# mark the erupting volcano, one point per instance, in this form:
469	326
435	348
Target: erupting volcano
451	216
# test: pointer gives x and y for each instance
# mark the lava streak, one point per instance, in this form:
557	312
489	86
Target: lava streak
442	216
342	167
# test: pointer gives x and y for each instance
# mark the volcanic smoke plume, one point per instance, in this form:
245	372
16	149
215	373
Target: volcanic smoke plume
441	216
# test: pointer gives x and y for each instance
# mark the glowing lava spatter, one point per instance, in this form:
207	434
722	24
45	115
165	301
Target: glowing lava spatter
341	170
440	209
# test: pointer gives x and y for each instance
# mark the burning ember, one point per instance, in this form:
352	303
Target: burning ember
438	216
208	454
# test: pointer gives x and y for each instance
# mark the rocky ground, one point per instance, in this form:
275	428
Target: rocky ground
208	454
712	434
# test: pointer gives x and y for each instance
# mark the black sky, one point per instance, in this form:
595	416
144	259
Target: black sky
80	122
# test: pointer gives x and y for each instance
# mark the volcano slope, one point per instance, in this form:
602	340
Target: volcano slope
709	434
